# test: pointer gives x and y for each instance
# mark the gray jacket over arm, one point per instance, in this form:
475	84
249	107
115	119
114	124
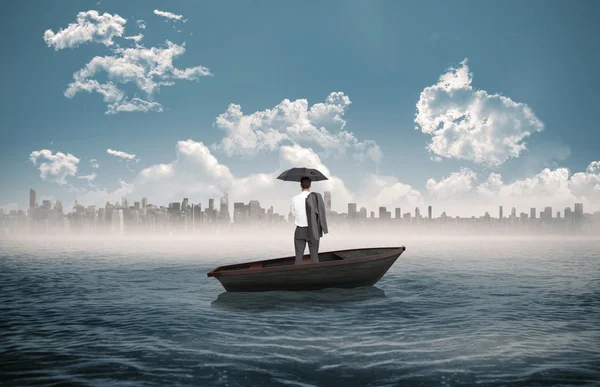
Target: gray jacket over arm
315	214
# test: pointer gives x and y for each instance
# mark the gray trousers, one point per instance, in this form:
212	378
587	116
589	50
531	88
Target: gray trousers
301	237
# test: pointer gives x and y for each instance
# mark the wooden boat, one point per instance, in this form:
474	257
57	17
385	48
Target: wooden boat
335	269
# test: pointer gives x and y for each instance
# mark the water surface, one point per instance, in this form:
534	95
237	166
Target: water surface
449	312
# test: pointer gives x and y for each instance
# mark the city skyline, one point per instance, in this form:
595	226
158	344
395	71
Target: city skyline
121	218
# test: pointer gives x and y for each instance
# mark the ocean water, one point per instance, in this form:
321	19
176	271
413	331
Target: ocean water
449	312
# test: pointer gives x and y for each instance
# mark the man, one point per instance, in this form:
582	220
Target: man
309	212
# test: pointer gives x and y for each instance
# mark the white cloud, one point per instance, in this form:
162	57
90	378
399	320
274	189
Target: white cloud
99	197
387	191
54	167
110	93
293	122
147	68
89	178
90	26
134	105
471	124
197	174
140	24
121	154
168	15
136	38
94	163
457	184
550	187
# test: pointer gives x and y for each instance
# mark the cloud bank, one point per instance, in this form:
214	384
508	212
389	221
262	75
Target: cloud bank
54	167
473	125
89	27
148	69
293	122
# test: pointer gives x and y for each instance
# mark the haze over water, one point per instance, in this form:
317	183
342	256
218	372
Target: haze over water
451	311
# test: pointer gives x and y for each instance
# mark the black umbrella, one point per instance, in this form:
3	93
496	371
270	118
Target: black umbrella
295	174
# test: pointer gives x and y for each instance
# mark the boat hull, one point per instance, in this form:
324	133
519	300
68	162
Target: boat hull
311	276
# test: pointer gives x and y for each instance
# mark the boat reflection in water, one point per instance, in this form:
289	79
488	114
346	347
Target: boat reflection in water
326	298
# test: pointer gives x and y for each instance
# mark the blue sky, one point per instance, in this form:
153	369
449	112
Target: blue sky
381	55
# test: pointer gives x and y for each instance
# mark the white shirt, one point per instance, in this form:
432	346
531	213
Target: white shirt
299	209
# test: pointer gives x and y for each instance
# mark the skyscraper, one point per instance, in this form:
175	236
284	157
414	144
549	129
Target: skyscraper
513	213
532	213
417	213
362	214
327	201
398	213
144	202
184	204
239	212
352	210
547	214
254	211
500	215
578	213
211	214
58	206
31	198
224	209
568	213
429	212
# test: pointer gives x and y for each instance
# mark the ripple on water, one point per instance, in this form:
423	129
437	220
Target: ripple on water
451	315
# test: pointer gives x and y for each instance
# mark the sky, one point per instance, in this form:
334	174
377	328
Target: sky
461	105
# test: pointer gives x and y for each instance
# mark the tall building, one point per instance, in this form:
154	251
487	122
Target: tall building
397	213
417	213
239	212
58	206
197	214
500	214
31	198
136	206
532	213
568	213
513	213
184	204
382	211
429	212
254	211
352	210
327	201
578	213
224	208
546	214
124	203
362	214
144	202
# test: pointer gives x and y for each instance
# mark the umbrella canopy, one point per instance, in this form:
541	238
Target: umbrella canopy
295	174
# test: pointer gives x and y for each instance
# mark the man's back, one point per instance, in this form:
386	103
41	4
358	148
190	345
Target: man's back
299	209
